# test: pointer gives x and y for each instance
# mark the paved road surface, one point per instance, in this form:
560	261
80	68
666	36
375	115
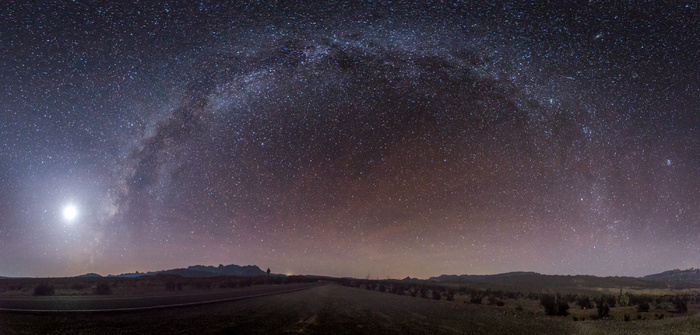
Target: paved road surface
62	304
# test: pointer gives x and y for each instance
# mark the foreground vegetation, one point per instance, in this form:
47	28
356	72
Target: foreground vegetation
361	306
341	309
144	285
553	304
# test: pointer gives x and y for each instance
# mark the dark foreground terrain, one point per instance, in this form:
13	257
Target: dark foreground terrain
111	303
339	310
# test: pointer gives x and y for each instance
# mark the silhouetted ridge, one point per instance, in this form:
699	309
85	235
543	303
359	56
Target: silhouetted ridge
203	271
536	280
689	275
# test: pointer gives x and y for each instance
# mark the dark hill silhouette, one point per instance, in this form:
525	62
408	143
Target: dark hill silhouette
230	270
90	275
203	271
691	275
537	280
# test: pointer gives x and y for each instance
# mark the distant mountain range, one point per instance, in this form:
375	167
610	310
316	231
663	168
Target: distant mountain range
198	271
691	275
89	275
674	278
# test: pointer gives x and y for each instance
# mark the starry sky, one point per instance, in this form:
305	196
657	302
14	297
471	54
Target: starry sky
348	138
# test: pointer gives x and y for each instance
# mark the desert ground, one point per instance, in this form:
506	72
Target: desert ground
335	306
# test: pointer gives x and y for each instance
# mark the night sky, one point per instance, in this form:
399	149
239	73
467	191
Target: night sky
350	138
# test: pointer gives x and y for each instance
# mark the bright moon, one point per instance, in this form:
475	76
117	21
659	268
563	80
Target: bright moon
70	212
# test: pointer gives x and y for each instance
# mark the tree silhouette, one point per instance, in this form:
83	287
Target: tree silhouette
268	272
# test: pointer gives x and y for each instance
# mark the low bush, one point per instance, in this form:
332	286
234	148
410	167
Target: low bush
103	289
554	305
643	306
44	289
78	286
603	307
475	298
584	301
170	285
681	303
450	295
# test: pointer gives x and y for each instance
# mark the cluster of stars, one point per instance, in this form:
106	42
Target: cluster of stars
400	139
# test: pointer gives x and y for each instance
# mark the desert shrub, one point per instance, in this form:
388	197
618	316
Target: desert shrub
103	289
603	307
639	316
627	317
549	303
423	292
77	286
554	305
611	300
204	285
643	306
584	301
500	303
624	300
414	291
44	289
450	295
575	318
382	288
475	298
519	308
397	289
680	303
492	300
562	306
170	285
436	294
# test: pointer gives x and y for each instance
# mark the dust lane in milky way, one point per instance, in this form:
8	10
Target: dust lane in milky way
345	139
